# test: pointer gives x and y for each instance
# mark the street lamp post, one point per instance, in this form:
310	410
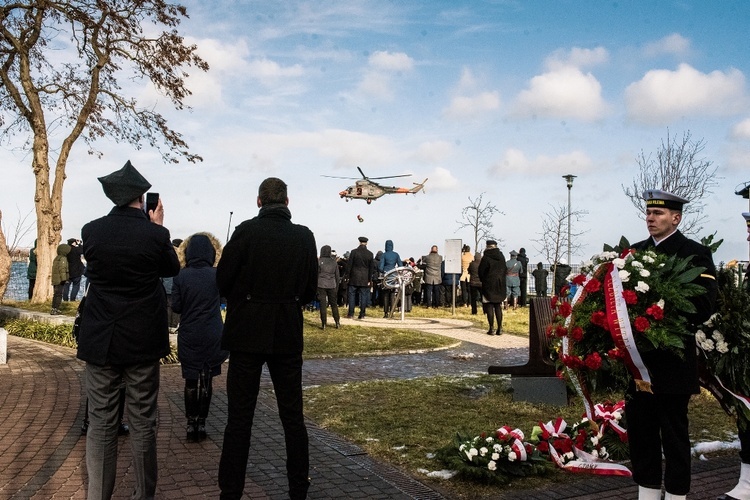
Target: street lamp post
569	181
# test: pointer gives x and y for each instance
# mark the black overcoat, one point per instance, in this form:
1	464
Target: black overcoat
669	373
124	320
267	272
360	267
492	271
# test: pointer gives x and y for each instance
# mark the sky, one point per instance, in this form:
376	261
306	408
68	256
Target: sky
493	98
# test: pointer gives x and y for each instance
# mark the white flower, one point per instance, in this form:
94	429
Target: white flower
645	273
718	337
700	336
710	321
594	440
624	275
642	287
636	264
483	451
569	455
473	452
708	345
607	256
462	447
492	465
620	263
603	452
648	258
660	303
594	453
497	447
495	456
722	347
512	456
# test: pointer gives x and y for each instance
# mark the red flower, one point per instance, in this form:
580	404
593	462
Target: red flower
543	447
630	297
572	361
579	279
594	285
548	331
561	331
560	374
564	290
599	318
593	361
641	324
576	334
565	309
615	354
553	302
656	312
564	444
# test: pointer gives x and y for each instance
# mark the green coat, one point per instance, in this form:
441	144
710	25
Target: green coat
60	272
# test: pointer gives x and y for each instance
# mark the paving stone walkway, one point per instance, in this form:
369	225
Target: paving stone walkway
42	452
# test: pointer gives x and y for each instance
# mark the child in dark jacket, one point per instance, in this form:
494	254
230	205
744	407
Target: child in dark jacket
60	276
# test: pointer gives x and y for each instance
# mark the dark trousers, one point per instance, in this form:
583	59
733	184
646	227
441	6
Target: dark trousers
494	310
361	292
57	295
327	296
465	291
744	445
32	282
243	384
659	422
70	289
432	295
524	287
475	294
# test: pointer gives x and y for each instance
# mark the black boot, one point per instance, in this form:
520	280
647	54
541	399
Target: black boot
191	411
205	391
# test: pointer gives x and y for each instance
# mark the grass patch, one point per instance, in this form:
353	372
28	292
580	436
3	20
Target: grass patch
67	308
403	421
514	322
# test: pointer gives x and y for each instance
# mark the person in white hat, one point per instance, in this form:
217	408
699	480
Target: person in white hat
658	420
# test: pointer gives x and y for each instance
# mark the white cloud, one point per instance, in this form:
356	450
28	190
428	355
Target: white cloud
576	57
664	95
514	161
741	130
269	72
378	78
388	61
441	179
469	107
564	93
674	44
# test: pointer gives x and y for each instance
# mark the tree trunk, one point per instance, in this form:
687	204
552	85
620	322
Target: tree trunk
48	221
5	262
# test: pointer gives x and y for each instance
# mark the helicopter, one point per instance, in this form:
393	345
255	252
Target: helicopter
367	189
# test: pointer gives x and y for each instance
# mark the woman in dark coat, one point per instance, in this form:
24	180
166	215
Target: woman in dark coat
328	285
475	284
195	297
492	270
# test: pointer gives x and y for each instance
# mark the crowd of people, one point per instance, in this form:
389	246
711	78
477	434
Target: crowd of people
139	282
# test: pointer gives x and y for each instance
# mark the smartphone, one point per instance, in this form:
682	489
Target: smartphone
152	200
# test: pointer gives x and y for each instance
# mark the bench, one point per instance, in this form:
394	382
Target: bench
539	364
536	380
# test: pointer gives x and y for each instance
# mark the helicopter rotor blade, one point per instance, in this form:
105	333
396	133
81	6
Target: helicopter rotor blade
337	177
390	176
363	174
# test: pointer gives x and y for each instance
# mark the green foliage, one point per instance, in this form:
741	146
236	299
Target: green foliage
44	332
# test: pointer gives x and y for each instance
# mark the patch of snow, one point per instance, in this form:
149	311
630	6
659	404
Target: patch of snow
372	439
430	455
713	446
438	474
402	447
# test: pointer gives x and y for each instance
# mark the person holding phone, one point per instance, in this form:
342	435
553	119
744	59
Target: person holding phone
123	332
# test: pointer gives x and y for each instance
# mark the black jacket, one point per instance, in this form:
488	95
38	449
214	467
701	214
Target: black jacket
267	272
195	297
125	317
492	270
360	267
669	373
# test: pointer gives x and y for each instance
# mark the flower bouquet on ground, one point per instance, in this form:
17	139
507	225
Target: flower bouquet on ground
627	302
495	457
724	343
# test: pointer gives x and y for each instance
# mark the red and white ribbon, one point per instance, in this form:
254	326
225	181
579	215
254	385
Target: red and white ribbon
622	333
607	418
516	443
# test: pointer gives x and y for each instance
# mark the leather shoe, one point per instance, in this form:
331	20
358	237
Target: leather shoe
490	332
337	325
499	332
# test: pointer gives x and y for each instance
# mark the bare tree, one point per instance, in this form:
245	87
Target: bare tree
5	262
478	217
553	239
18	232
62	64
680	168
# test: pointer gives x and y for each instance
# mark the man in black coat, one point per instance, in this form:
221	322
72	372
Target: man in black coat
524	275
124	329
659	421
360	269
264	326
75	270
